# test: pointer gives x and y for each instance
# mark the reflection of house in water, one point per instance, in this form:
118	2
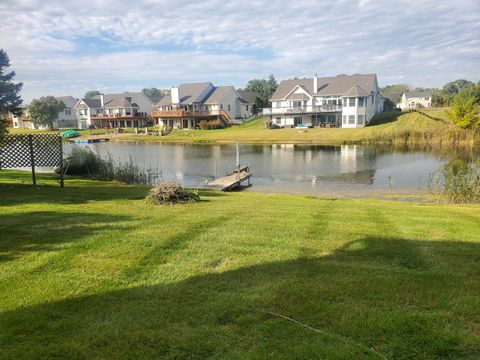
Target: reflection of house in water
361	177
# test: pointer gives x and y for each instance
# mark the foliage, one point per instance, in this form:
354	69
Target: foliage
454	87
10	99
458	180
169	193
211	124
465	108
394	92
83	161
265	89
91	93
153	92
44	111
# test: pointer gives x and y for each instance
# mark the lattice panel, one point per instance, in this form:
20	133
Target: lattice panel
15	150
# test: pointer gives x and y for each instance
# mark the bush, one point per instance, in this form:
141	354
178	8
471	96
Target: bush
211	125
461	181
203	125
84	161
169	193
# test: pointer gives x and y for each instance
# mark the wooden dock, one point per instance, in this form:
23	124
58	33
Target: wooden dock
89	140
231	181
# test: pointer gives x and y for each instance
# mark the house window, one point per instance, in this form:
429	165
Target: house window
277	104
344	119
361	102
247	107
361	119
372	99
278	120
228	107
68	112
221	106
351	119
351	102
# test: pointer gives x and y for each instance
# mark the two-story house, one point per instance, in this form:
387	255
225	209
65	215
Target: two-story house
130	109
68	117
415	99
347	101
188	104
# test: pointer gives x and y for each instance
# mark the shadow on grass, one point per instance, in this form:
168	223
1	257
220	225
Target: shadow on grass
47	230
406	299
385	117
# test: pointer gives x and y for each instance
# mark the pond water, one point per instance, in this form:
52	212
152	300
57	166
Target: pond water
283	167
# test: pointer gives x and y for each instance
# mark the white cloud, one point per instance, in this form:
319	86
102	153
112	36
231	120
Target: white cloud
58	46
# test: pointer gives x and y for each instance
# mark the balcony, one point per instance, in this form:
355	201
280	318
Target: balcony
181	113
303	109
118	116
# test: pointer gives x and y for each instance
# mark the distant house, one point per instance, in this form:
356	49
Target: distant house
130	109
188	104
66	118
347	101
415	99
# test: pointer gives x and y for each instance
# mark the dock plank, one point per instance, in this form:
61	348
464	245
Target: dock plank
229	181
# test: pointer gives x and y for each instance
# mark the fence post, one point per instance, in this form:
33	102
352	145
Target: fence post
32	158
61	162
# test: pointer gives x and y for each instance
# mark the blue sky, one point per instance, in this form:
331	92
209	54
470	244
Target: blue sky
69	47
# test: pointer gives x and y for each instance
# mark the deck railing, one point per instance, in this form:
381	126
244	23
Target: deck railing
189	113
303	109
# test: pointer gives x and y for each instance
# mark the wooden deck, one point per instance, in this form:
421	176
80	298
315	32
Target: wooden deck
231	181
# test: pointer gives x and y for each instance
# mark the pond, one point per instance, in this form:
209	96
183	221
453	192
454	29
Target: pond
285	168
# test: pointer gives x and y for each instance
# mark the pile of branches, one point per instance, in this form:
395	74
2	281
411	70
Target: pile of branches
169	193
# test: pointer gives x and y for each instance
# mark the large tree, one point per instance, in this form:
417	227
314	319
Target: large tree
454	87
153	92
90	94
465	107
265	89
44	111
394	92
10	100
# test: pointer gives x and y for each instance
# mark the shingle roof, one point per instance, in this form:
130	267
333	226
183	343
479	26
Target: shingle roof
190	94
217	95
92	103
249	97
356	91
333	85
69	101
417	94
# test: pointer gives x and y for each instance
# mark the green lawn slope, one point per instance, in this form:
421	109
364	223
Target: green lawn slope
92	271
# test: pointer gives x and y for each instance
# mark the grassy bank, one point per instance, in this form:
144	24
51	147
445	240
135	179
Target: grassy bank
395	128
92	271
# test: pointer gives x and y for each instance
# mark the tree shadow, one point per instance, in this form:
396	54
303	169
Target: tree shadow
406	299
48	230
385	117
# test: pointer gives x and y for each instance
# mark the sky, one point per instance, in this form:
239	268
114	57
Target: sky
71	46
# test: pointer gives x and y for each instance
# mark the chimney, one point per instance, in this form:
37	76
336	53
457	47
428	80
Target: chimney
101	100
315	84
174	93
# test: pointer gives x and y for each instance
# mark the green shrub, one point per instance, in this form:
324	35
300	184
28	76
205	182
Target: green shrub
169	193
461	181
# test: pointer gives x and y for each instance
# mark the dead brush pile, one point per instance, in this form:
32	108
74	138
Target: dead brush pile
169	193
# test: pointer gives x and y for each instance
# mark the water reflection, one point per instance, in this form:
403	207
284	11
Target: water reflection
285	167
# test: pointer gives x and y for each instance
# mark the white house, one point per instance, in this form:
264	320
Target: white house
188	104
66	118
347	101
415	99
130	109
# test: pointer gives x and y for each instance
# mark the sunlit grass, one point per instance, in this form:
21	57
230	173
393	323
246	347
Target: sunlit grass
93	271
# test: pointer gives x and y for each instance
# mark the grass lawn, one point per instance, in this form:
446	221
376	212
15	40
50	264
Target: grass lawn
92	271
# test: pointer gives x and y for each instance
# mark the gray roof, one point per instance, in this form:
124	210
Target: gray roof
248	97
92	103
417	94
217	95
69	101
298	96
189	94
334	85
356	91
123	100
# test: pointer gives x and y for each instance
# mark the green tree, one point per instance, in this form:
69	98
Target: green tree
153	92
44	112
454	87
394	92
465	107
90	94
265	89
10	100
